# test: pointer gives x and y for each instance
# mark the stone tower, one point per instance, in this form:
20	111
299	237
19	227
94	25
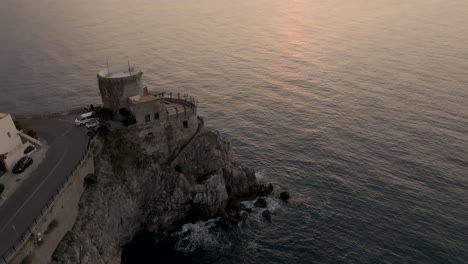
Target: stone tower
117	84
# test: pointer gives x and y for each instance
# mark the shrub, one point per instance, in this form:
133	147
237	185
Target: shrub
27	130
103	112
31	132
2	188
90	180
59	250
103	129
28	149
212	137
18	125
52	225
124	112
129	120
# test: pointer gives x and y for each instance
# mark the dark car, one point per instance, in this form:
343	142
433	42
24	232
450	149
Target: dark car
22	164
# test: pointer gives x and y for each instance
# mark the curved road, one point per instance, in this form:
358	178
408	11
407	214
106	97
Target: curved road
67	143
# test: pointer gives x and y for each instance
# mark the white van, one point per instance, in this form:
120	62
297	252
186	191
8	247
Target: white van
83	118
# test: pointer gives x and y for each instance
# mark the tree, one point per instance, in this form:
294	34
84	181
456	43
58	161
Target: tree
124	112
103	112
129	120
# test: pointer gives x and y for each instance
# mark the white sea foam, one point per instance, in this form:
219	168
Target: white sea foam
200	235
260	174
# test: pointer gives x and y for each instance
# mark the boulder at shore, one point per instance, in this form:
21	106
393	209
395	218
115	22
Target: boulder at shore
261	202
284	196
267	214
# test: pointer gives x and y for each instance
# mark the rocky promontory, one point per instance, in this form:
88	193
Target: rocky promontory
155	184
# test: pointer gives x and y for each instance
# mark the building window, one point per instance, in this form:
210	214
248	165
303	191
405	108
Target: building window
9	135
147	118
185	124
156	116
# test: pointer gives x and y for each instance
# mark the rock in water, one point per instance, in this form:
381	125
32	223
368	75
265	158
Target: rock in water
284	196
267	214
264	189
260	203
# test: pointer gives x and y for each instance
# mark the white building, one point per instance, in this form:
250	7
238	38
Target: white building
11	146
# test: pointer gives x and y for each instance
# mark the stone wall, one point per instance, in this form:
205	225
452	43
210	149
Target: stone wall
116	91
150	108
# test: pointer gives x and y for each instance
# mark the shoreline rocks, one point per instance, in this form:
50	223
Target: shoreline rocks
284	196
261	202
267	214
263	189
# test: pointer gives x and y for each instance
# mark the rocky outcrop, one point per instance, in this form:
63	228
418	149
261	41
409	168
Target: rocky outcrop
139	189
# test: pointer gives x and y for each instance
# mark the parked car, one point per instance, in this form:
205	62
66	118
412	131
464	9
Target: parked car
89	108
83	118
92	123
22	164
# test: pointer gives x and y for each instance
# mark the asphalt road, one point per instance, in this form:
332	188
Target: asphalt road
67	143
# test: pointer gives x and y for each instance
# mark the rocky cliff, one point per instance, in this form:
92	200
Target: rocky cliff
157	191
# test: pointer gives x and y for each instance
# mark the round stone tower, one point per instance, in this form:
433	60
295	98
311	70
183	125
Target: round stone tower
117	84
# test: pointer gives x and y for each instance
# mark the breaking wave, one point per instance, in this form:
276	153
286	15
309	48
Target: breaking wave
206	235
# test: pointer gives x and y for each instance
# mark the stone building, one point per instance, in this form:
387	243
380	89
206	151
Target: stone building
156	114
11	145
117	84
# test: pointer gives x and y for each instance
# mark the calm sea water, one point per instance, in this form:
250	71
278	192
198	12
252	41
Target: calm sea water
359	108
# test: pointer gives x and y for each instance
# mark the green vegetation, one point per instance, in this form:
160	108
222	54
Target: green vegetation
19	125
124	155
103	112
59	250
25	128
2	188
28	149
124	112
212	137
103	129
90	180
129	120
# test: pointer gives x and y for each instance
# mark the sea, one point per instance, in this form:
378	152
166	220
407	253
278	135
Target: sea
357	108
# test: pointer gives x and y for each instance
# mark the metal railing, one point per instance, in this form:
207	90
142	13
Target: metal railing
10	253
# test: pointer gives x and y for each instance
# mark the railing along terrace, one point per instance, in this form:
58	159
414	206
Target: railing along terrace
179	98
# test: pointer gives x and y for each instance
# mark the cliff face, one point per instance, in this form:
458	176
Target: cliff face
136	189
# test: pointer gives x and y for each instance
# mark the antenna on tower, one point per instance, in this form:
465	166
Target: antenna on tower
108	72
129	69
